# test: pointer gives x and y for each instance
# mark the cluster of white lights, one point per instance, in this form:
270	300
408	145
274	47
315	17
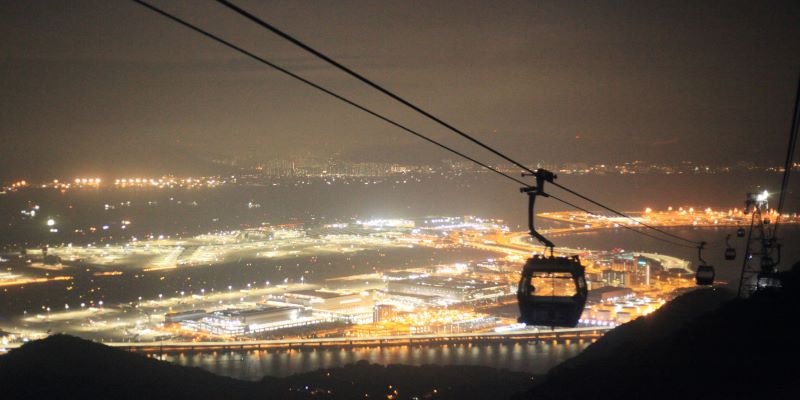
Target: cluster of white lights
91	181
596	322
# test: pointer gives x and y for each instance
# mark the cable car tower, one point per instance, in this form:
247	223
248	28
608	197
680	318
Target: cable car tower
762	251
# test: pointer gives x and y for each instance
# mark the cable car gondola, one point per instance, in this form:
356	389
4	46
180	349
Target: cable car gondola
552	290
553	302
705	273
766	263
730	252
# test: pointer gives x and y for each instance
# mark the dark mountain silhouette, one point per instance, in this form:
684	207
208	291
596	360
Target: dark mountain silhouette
63	366
743	349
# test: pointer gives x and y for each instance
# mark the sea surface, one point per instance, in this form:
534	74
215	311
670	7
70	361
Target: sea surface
535	358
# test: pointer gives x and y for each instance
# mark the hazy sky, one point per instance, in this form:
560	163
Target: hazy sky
92	81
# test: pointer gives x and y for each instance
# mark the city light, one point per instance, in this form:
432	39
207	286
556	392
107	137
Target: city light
437	300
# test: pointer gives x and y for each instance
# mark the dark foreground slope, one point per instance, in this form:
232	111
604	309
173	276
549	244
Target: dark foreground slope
62	366
68	367
743	349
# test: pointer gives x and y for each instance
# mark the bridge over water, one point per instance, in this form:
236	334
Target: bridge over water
527	335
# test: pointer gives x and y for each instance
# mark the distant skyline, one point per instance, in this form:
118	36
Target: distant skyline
94	85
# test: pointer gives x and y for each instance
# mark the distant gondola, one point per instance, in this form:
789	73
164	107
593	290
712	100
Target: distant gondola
730	252
705	273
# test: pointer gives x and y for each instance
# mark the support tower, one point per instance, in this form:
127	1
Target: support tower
762	252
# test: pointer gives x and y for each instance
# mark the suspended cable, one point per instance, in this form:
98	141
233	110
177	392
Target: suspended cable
620	225
403	127
427	114
369	82
787	166
624	215
323	89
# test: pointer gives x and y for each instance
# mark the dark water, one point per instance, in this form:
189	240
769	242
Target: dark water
535	358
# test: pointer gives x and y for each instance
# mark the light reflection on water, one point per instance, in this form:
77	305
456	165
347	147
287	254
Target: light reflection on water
533	357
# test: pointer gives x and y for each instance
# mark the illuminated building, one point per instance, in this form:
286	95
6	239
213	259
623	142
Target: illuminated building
354	308
616	278
383	312
450	289
311	298
191	315
243	322
609	293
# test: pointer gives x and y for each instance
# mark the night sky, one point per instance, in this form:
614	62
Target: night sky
105	86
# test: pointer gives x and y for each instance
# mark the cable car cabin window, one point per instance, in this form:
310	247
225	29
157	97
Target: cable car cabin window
551	284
